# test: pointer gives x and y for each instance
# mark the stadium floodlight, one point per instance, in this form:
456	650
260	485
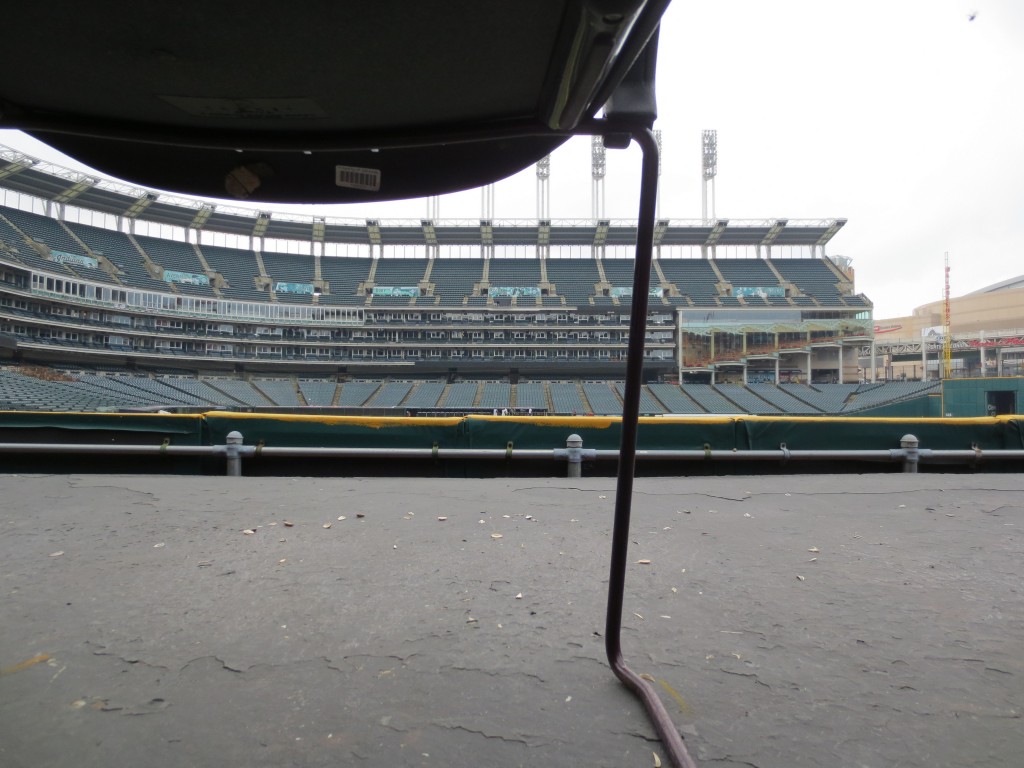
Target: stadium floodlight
144	201
203	215
598	168
429	233
716	232
660	228
544	167
81	185
18	163
709	154
543	191
773	233
259	229
709	165
373	232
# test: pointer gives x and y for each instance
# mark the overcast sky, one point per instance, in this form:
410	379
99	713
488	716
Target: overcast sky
905	117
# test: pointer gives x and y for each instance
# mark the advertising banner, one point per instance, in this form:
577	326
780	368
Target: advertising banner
191	278
764	291
293	288
499	291
73	258
400	291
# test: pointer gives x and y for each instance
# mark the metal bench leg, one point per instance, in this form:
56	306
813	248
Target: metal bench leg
659	716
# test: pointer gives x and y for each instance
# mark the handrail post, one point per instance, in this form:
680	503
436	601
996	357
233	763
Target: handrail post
574	453
911	457
233	451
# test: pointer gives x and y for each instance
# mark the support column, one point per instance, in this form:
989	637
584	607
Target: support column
999	362
981	354
924	360
874	362
807	375
744	374
778	362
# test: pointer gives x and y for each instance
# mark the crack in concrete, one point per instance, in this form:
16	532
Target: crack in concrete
493	672
526	740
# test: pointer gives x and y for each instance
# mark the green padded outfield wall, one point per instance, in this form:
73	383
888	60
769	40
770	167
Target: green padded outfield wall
971	397
479	432
104	429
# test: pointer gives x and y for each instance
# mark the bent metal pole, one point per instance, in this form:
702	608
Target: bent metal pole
659	716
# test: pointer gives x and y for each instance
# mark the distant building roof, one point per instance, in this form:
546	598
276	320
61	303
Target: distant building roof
1005	285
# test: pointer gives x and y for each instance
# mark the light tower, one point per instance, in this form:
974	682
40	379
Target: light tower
597	171
544	207
544	187
709	163
433	207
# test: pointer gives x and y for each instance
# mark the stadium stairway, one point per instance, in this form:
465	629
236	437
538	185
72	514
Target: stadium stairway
579	384
445	392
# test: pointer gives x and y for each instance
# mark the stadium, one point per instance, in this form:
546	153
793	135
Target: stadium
136	299
376	581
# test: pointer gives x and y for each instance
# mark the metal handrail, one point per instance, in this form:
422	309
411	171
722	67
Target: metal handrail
573	454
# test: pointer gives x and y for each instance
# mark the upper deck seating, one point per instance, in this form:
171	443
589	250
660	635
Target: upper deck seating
574	279
239	268
343	275
453	279
693	277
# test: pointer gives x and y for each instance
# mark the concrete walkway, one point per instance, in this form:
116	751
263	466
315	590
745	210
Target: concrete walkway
873	620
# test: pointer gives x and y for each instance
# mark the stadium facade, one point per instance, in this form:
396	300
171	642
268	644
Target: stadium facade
98	273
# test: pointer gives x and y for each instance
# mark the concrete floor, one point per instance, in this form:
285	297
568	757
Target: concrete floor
871	620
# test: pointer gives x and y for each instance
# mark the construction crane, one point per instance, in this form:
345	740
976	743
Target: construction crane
947	331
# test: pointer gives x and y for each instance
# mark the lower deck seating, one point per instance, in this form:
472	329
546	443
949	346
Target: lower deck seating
72	390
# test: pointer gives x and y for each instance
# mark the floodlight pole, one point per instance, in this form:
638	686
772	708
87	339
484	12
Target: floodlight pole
543	190
597	173
709	165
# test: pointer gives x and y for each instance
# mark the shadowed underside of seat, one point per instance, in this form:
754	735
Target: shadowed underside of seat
317	102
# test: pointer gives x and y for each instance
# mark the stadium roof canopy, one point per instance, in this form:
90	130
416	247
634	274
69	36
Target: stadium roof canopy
50	182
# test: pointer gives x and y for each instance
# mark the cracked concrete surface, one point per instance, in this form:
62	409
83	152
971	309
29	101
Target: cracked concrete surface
786	621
